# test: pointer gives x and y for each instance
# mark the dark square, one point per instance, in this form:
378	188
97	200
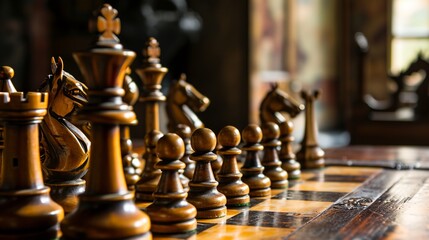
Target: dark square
310	196
338	178
269	219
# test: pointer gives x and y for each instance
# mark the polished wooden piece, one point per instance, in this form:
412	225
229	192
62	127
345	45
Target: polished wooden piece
286	153
170	212
275	103
203	193
27	211
310	155
186	174
132	164
151	74
149	180
106	210
183	101
252	168
230	184
270	159
65	147
6	85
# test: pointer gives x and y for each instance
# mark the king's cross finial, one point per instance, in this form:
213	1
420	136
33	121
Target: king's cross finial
152	51
108	24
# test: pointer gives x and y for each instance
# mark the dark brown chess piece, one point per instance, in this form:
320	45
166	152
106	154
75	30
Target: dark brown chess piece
310	155
27	211
202	189
270	159
151	74
149	180
6	85
286	154
170	212
183	100
106	210
65	148
252	169
230	184
184	132
130	159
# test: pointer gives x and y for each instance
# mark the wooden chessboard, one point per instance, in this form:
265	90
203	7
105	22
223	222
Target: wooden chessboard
338	202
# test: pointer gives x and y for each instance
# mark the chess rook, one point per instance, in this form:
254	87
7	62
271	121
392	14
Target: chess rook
149	180
151	74
252	169
106	210
230	184
203	194
286	154
170	212
310	155
270	159
27	211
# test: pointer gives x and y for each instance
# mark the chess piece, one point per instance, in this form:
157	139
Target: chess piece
286	154
130	160
184	132
27	211
151	74
230	184
170	212
270	159
310	155
106	210
64	147
252	169
183	100
202	189
277	102
149	180
6	85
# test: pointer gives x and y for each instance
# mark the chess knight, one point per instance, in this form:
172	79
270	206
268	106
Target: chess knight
64	146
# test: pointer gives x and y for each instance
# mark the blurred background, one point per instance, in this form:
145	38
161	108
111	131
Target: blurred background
232	51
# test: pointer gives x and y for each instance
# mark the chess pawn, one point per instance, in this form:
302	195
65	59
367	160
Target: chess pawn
203	193
270	159
230	184
286	154
130	159
310	155
252	169
149	180
106	210
6	85
184	132
170	212
27	211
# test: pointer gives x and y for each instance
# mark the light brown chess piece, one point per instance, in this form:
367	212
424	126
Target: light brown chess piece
106	210
184	132
270	159
6	85
230	184
149	180
203	194
286	153
151	74
64	147
183	101
252	169
130	159
27	211
170	212
310	155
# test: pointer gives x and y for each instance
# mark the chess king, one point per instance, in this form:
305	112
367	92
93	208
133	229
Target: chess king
106	210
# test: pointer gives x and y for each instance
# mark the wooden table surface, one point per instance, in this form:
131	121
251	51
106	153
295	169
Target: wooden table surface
364	192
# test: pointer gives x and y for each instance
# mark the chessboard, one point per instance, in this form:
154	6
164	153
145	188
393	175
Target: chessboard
337	202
